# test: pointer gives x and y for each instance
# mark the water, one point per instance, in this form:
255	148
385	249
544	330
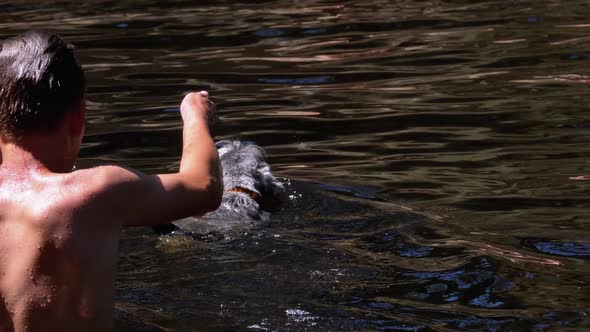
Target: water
427	146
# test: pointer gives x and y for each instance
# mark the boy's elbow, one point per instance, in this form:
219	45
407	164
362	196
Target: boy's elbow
215	193
209	195
201	196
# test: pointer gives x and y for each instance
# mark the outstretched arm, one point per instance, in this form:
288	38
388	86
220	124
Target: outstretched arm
139	199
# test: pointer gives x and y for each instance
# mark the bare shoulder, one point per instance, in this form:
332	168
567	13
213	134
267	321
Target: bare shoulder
104	192
100	185
104	178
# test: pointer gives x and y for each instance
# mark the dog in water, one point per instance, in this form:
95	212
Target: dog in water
249	191
247	180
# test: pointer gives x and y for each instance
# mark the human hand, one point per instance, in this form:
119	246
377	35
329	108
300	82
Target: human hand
196	106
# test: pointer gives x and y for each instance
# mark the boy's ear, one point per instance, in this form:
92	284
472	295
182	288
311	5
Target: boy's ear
76	119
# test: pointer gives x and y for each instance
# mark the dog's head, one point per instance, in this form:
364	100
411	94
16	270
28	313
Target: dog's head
247	178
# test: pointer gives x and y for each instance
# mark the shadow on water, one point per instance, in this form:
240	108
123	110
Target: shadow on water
430	146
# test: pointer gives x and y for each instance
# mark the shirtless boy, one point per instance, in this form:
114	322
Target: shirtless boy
59	229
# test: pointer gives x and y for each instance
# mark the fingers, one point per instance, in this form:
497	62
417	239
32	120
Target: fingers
212	118
199	100
210	104
198	105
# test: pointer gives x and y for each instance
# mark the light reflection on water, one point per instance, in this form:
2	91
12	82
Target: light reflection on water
430	146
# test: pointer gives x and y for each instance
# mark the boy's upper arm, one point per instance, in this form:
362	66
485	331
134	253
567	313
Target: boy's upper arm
133	198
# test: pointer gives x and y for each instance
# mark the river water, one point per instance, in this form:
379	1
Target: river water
427	148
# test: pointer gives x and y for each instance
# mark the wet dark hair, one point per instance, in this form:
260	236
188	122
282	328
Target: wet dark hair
40	81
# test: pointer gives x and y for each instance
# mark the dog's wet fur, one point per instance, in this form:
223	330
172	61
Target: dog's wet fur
243	166
250	190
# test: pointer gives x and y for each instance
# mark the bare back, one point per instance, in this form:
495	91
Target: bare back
57	257
59	232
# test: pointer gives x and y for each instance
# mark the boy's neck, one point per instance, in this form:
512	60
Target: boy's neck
37	153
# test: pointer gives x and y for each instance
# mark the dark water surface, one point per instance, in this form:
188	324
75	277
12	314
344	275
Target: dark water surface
427	148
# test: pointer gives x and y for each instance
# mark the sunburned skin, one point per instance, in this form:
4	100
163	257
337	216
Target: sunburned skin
59	230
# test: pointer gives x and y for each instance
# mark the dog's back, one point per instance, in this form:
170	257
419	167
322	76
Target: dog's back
249	187
247	179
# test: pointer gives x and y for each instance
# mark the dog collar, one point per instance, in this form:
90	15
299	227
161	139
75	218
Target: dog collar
254	195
